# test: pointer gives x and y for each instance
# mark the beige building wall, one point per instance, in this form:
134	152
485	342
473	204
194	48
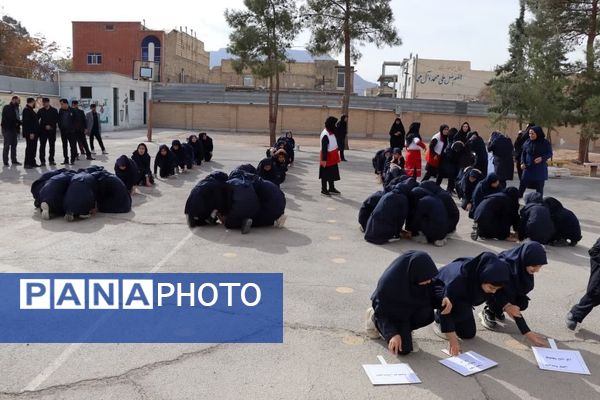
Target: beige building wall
185	60
317	75
444	80
364	123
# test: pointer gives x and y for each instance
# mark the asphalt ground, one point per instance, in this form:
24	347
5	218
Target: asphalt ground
329	275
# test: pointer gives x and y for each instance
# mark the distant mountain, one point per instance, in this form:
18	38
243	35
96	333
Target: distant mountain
360	85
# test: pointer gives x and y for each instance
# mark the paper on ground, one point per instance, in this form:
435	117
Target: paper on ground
568	361
391	374
468	363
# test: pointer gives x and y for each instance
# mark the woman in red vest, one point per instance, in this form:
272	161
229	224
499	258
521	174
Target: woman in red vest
330	158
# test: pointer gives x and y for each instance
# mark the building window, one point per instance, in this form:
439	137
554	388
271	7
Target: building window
94	58
248	81
341	78
151	45
109	27
85	92
132	95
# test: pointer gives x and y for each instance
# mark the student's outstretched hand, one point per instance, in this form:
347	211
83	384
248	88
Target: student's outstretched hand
446	306
513	311
453	344
536	339
395	344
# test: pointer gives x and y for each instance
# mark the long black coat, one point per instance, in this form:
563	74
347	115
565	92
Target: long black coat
80	197
495	216
388	217
209	194
272	203
565	221
130	175
397	141
502	148
54	190
430	218
536	220
112	196
451	210
477	146
242	203
39	183
367	208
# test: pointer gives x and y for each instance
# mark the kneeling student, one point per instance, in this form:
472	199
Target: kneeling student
524	260
536	220
142	160
466	282
165	160
568	230
403	301
127	171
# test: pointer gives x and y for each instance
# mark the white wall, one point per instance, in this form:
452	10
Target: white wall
130	113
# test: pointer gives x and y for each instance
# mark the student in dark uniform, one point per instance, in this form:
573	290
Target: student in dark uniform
197	147
524	260
329	159
379	161
52	194
388	217
165	160
272	205
243	203
207	146
489	185
466	282
341	131
266	169
112	196
591	298
468	182
367	208
48	118
501	147
477	146
536	220
207	200
496	214
568	230
183	158
126	169
142	160
80	198
403	301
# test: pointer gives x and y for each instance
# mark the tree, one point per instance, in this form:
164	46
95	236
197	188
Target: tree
509	87
261	34
342	25
576	22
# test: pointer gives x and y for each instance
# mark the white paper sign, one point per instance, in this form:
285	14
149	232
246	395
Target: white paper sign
569	361
391	374
468	363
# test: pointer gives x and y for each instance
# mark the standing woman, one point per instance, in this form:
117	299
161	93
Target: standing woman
463	133
397	134
341	131
522	137
466	282
434	155
402	301
329	158
414	145
524	260
536	152
501	147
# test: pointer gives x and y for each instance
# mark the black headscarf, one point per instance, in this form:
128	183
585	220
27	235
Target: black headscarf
330	123
397	127
413	132
521	257
399	286
486	268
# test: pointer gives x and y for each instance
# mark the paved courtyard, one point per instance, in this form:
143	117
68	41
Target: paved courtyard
329	275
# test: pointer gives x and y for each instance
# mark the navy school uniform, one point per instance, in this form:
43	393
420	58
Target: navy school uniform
521	282
591	298
565	221
461	282
367	208
54	190
166	163
209	194
39	183
501	147
497	213
536	220
272	203
483	189
143	165
207	146
388	217
466	188
400	304
477	146
242	202
80	197
451	210
197	148
113	195
130	175
271	174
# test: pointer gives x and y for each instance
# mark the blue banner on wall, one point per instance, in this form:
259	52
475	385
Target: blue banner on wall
141	308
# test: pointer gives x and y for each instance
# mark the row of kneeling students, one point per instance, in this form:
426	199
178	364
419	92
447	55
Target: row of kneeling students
412	293
424	211
240	200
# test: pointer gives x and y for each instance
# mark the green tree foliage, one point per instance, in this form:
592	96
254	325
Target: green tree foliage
261	34
343	25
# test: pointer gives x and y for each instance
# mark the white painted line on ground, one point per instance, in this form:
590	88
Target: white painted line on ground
64	356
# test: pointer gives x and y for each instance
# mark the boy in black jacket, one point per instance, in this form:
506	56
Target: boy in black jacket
31	129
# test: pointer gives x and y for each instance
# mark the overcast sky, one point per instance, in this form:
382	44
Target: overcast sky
472	30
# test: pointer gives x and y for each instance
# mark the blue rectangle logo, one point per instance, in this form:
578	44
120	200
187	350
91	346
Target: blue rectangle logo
141	308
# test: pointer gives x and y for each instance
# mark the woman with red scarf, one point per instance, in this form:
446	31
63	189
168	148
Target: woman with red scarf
330	158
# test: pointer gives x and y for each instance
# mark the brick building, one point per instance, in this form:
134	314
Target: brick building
123	47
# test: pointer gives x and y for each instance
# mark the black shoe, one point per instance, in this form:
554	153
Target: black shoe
488	320
246	225
66	162
43	164
28	166
190	220
16	163
334	191
325	193
6	164
72	162
52	163
90	158
571	323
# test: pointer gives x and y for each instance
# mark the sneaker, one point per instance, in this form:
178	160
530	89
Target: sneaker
487	318
420	238
334	191
45	208
90	158
571	323
105	152
69	217
475	232
370	327
190	220
361	228
246	225
66	162
279	222
440	243
93	152
437	331
84	216
325	193
16	163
